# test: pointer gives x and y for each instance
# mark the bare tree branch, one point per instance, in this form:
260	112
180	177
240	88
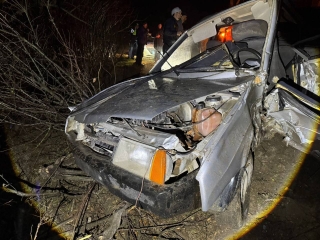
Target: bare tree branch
47	65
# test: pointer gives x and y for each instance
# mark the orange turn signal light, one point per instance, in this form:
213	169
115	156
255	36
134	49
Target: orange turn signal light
225	34
158	168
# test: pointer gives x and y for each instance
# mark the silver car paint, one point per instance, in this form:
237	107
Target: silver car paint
227	154
135	101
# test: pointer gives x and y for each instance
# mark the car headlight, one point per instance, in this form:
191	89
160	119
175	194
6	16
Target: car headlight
143	160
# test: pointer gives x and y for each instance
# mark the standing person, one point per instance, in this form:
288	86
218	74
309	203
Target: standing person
181	21
170	29
133	41
142	39
158	42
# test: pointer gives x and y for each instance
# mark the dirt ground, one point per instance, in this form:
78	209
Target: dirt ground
63	203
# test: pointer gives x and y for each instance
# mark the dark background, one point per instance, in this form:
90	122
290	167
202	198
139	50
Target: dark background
154	12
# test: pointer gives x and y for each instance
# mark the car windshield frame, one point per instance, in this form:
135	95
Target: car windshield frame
188	45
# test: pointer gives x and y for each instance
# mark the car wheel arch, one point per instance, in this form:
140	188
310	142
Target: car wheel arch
233	206
230	190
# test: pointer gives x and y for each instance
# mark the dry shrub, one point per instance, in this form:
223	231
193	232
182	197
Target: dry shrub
55	54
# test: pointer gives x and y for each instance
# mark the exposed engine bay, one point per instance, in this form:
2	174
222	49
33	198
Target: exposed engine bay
177	130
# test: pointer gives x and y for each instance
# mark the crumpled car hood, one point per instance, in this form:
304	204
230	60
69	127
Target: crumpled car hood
144	98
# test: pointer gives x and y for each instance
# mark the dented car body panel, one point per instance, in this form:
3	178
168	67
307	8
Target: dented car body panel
182	136
166	92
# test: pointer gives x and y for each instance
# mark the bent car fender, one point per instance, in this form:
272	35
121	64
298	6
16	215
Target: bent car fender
225	158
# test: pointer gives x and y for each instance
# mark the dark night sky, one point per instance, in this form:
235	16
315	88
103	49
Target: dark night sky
157	12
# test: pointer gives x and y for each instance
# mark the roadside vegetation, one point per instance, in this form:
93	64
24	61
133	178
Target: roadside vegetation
55	54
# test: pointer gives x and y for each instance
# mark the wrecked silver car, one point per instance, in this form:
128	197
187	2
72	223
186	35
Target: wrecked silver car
183	136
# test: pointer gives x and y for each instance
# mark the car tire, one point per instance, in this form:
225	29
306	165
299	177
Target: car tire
236	212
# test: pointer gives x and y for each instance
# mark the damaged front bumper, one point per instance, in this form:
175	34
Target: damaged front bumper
164	200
